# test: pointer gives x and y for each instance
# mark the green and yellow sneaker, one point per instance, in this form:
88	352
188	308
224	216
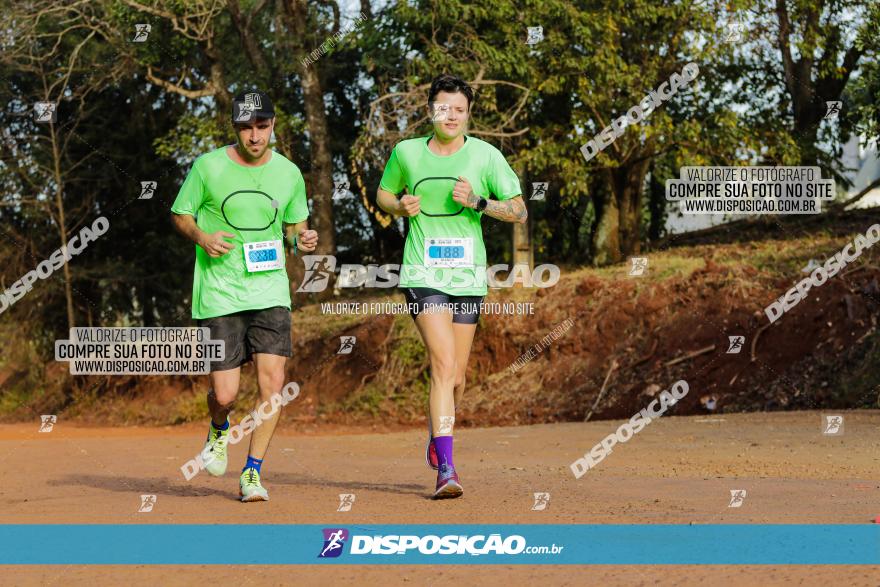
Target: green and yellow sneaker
214	453
250	488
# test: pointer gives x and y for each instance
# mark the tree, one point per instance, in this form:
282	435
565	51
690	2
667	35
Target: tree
821	49
635	49
236	43
60	63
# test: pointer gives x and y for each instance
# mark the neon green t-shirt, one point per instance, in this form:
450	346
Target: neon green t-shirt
251	203
444	248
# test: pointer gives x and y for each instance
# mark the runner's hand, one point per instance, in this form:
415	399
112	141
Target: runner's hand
463	193
409	205
215	245
307	240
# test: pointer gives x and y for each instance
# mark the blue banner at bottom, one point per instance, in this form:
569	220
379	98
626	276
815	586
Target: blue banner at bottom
593	544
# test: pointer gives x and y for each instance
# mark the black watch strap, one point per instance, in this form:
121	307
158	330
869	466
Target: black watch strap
481	205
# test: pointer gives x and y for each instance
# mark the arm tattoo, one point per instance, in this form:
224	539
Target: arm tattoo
513	210
473	200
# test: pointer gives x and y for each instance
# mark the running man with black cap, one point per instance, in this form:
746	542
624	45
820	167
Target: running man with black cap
234	206
448	177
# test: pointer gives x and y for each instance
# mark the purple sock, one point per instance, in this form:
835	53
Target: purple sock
443	445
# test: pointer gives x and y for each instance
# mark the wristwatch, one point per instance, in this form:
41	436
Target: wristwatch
481	204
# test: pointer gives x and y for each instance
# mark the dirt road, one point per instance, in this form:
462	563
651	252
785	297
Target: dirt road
678	470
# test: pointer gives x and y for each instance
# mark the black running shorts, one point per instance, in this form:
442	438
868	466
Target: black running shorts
252	331
465	309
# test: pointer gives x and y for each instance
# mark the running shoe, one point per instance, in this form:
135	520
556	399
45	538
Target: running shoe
214	453
250	488
431	453
448	485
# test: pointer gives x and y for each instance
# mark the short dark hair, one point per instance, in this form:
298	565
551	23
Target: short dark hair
451	84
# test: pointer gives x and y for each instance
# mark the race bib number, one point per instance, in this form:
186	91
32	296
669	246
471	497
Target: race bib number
263	256
449	252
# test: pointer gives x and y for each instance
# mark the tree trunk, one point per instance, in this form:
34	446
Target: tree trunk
321	180
657	206
148	308
606	239
218	80
62	222
522	245
523	252
628	183
812	80
577	252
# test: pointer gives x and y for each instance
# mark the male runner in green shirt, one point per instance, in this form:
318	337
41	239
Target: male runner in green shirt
447	177
233	205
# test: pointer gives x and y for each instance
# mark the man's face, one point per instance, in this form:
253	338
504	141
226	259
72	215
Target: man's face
253	137
456	116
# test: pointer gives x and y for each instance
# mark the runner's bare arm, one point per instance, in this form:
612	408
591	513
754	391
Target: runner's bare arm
407	205
213	244
306	240
512	210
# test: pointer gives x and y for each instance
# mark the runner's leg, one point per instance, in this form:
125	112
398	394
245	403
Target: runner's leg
270	379
464	338
225	377
269	343
221	396
437	333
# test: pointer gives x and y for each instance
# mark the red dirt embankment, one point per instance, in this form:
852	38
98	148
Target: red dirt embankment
640	334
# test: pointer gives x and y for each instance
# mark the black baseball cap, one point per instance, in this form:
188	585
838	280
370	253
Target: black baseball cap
248	106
